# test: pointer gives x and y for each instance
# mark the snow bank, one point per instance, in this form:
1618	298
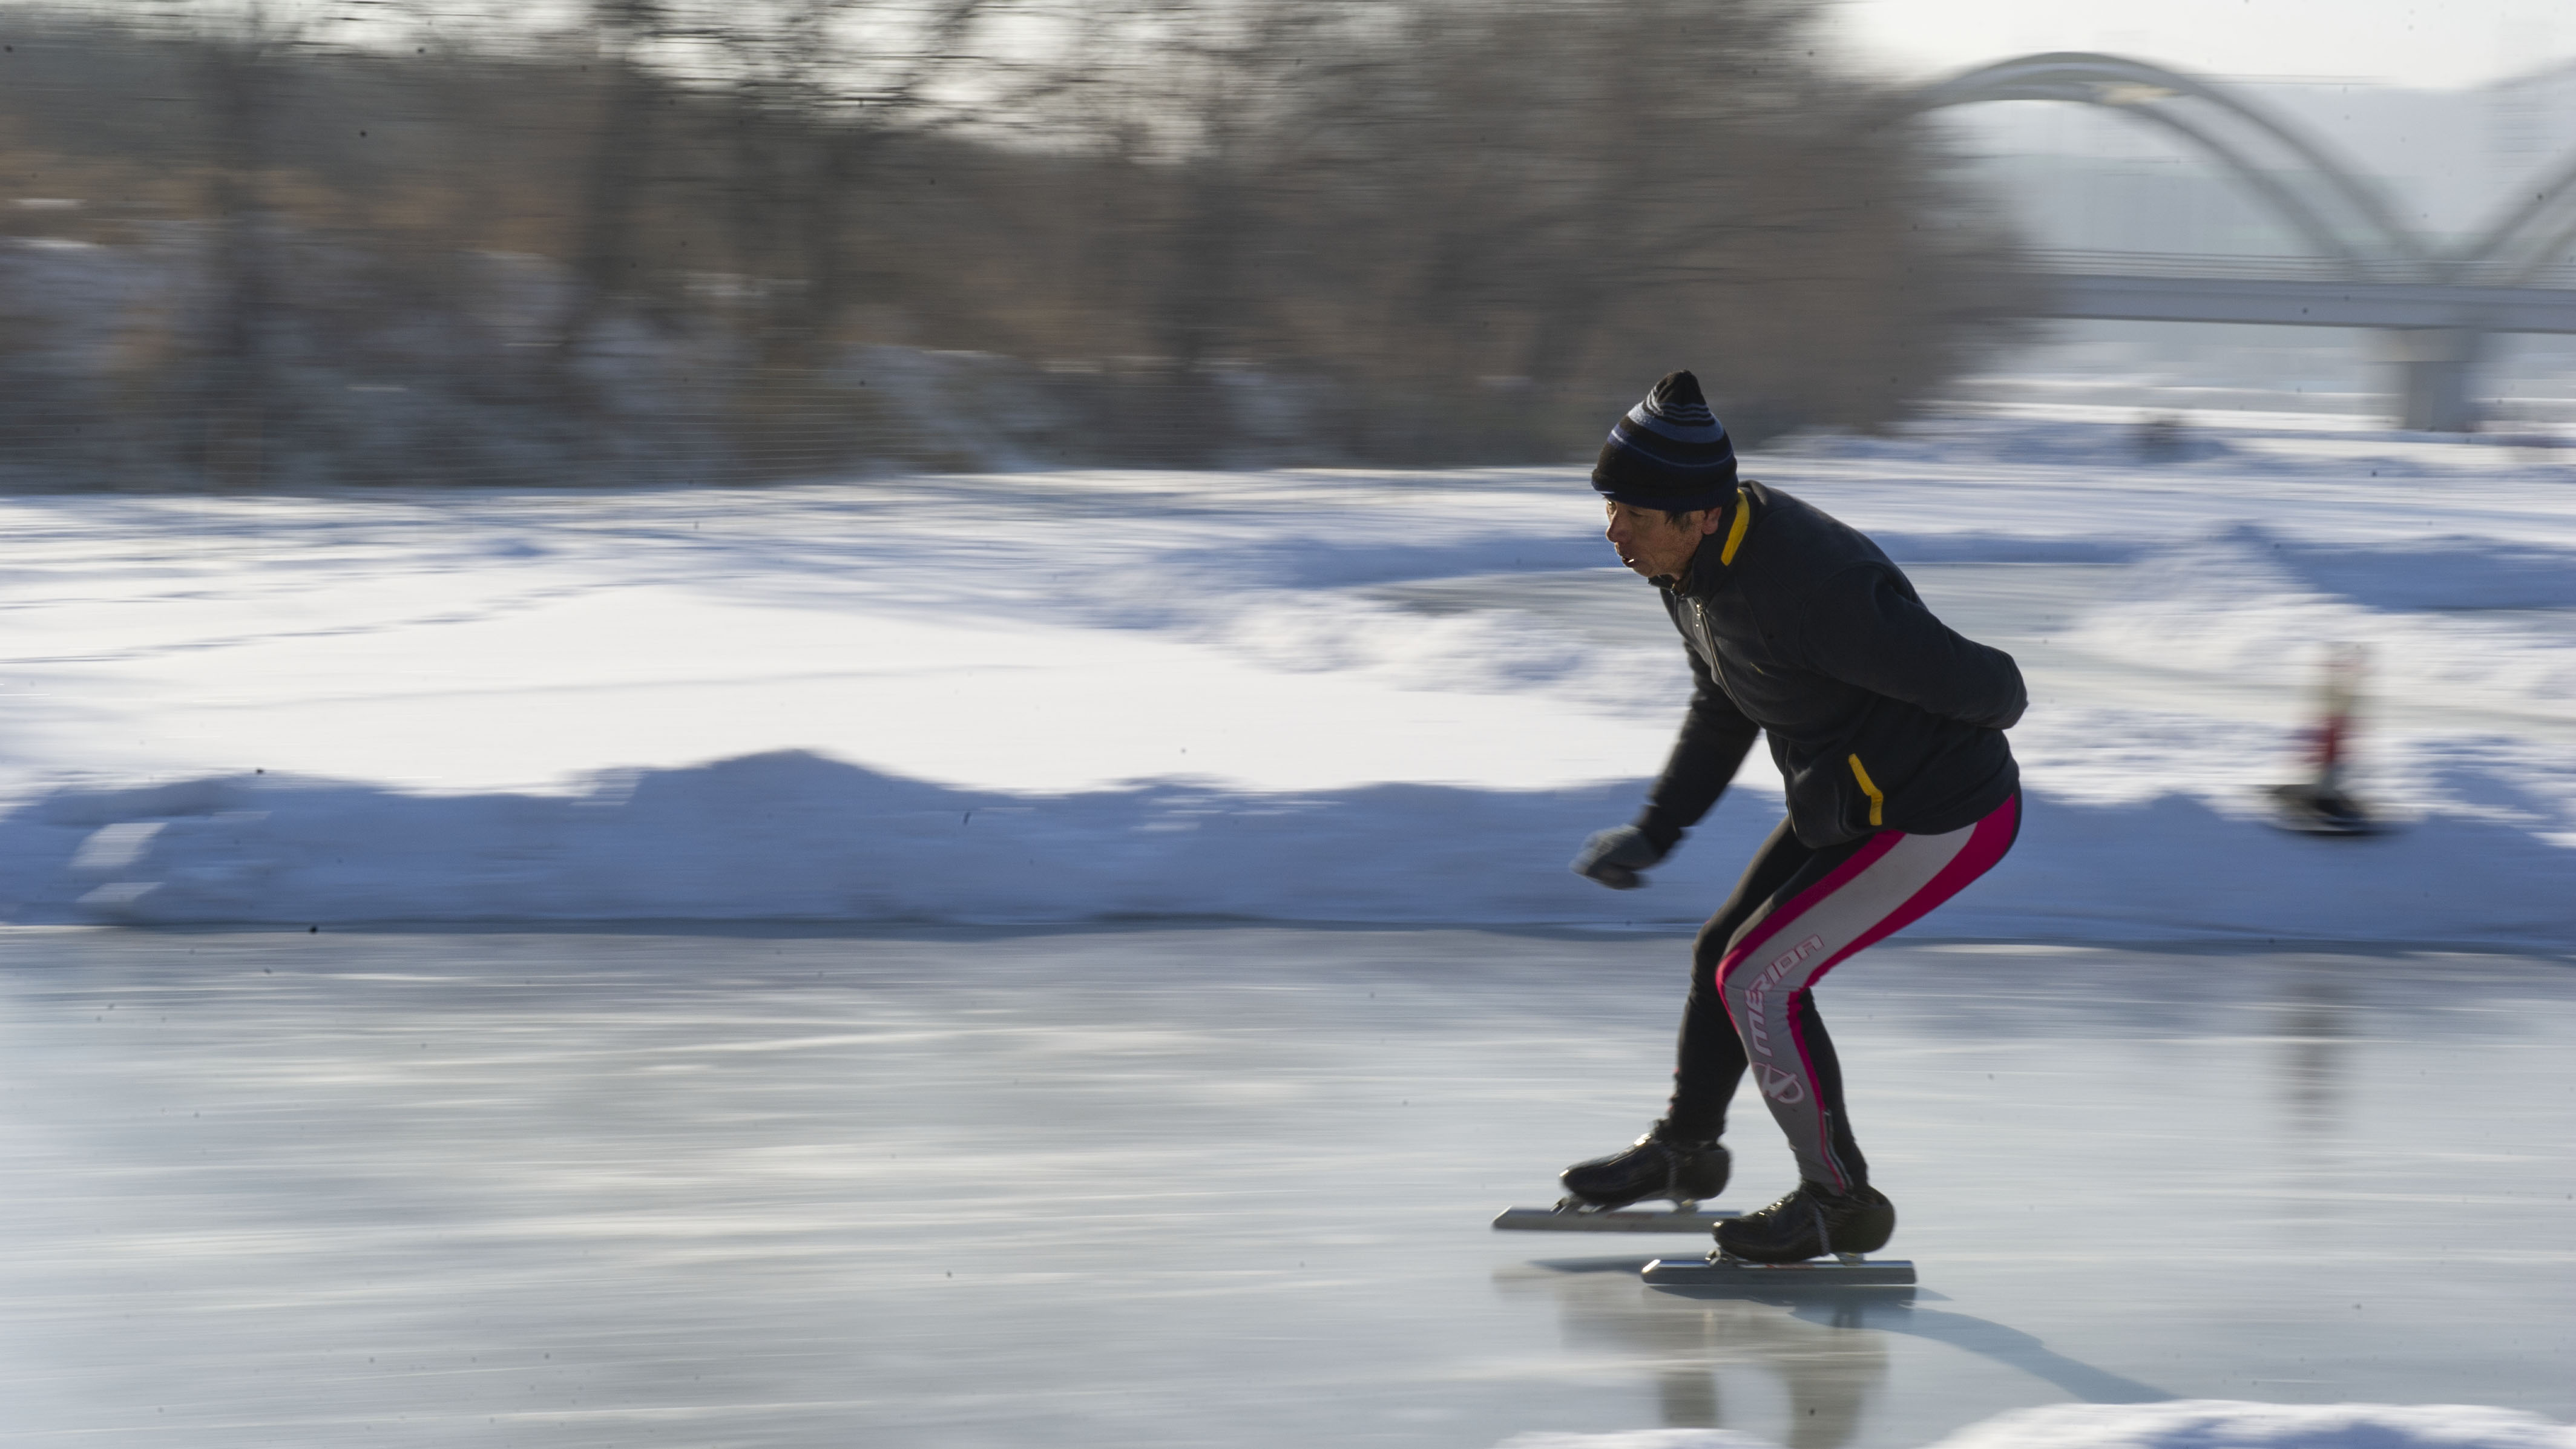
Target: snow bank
799	836
2224	1424
1642	1439
1309	695
2187	1424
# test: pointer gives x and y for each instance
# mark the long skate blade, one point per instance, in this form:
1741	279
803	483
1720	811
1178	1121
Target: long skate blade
1779	1277
2326	825
1617	1220
2297	809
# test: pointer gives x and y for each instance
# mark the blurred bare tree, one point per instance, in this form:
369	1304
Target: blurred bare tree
266	243
237	391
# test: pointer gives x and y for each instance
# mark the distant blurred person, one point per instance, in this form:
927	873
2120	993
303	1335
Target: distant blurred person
2320	804
1887	727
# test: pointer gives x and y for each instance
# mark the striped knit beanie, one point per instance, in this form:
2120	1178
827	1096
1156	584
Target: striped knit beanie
1669	452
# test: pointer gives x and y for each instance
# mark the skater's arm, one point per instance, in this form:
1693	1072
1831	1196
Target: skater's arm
1714	740
1860	627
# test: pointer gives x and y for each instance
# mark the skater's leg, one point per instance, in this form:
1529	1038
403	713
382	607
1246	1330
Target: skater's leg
1680	1157
1709	1059
1841	900
1828	1068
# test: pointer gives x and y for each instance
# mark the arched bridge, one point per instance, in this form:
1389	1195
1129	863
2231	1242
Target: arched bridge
2432	307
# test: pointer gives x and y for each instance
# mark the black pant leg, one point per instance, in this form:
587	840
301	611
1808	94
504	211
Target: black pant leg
1829	1087
1709	1059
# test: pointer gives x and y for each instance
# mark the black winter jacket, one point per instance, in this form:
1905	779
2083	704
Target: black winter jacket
1880	716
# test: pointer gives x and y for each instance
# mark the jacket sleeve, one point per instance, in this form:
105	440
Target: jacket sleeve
1861	627
1714	740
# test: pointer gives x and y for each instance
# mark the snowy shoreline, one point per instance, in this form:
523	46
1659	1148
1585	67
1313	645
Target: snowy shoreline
1321	696
801	837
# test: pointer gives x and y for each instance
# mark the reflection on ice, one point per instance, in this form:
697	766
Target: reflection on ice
2314	1024
1824	1355
1721	1363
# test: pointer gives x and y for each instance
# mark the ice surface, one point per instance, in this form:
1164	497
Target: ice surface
1178	1187
1308	696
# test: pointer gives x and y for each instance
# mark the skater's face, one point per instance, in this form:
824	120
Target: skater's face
1653	542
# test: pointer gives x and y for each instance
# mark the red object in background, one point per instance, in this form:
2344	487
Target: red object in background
2320	805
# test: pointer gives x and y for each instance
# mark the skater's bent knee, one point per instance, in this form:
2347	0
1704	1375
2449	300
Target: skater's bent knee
1709	951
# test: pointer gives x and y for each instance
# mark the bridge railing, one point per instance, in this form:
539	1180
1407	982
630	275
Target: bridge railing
2121	263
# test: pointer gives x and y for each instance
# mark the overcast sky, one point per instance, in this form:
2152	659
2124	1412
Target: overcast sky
2430	43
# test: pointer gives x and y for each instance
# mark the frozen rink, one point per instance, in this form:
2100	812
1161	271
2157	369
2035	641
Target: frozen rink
1129	1188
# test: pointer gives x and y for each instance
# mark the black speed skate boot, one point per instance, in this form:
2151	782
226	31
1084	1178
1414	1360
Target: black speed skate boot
1809	1223
1685	1172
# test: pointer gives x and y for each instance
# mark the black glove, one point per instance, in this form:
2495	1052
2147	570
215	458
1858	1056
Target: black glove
1613	857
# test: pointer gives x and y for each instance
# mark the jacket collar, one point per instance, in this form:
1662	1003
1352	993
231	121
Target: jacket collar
1710	566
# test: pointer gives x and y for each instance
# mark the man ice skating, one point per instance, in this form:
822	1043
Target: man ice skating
1888	731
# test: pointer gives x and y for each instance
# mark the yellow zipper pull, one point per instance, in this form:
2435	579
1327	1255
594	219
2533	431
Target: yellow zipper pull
1877	802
